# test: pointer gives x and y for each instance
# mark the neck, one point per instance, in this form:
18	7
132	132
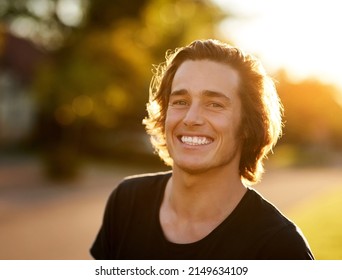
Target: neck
208	194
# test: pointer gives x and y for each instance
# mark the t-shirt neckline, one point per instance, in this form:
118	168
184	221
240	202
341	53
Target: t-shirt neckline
228	220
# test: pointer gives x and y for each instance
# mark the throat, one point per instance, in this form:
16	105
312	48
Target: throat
185	232
186	218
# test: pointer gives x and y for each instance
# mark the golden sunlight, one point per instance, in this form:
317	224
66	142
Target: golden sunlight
300	36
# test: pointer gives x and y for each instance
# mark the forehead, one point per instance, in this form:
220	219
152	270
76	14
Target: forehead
206	75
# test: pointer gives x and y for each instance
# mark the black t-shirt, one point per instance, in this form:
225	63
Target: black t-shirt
254	230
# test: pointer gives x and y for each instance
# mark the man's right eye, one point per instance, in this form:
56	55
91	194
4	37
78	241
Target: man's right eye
178	103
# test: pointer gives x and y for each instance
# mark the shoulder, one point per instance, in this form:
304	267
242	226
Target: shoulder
147	178
144	182
282	237
268	216
288	243
139	187
265	212
135	193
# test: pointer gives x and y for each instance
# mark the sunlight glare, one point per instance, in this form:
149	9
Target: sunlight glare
70	12
41	8
300	36
23	26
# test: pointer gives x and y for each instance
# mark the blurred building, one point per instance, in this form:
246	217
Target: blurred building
18	61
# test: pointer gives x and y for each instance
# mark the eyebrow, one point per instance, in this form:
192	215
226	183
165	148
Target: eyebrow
179	92
207	93
210	93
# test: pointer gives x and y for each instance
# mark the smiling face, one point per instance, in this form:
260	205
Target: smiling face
203	117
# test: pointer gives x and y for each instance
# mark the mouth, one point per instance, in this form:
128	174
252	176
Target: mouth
195	140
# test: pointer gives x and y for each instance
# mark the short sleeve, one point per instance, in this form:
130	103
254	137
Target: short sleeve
102	247
287	244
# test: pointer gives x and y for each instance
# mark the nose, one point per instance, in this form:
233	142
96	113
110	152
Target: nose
193	116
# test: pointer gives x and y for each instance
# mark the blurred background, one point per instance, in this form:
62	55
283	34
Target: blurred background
74	79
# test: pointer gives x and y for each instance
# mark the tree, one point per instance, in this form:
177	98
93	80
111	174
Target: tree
94	84
313	116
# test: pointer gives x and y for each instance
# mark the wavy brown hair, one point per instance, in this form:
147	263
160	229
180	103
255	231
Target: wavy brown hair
261	122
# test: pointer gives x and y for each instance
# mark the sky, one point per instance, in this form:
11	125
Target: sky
302	36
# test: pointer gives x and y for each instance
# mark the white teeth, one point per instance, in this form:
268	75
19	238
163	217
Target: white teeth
195	140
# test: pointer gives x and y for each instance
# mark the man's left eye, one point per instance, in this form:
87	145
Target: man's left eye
215	105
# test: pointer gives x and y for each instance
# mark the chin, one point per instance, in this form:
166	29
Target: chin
193	169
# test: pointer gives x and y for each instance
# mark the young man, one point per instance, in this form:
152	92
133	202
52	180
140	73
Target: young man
214	114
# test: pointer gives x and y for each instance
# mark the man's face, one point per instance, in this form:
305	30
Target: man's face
203	117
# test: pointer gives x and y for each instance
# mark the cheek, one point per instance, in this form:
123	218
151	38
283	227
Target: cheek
171	119
168	120
169	124
236	120
230	125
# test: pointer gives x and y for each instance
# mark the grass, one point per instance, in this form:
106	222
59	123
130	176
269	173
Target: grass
320	219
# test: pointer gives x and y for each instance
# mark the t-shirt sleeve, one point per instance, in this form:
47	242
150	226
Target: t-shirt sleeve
287	244
101	248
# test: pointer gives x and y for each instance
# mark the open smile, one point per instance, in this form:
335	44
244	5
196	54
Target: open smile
195	140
